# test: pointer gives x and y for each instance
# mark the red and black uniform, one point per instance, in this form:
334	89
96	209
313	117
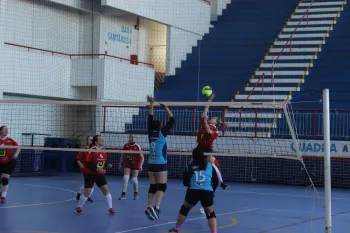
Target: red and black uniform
205	140
95	169
82	156
132	161
7	160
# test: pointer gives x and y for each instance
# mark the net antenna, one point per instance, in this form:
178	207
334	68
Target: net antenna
327	162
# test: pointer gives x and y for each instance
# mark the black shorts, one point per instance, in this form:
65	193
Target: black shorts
157	167
206	197
132	168
204	149
8	168
91	179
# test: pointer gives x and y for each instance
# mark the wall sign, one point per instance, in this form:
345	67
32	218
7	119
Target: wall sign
124	36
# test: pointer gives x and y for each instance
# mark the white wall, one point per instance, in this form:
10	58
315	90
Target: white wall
193	16
217	6
179	44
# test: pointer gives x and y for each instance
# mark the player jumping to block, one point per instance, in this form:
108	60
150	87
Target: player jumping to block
80	161
7	161
201	179
94	173
206	136
132	165
157	160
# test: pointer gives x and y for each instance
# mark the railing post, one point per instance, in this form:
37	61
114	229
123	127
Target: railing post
256	123
104	117
315	125
193	121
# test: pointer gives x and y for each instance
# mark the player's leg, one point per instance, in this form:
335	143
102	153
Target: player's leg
102	184
80	192
5	176
135	182
125	183
207	201
150	212
89	198
89	180
191	199
162	178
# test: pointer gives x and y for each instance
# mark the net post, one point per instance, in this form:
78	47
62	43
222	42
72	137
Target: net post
327	162
292	131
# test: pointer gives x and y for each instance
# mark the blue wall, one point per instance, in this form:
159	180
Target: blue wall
331	69
231	52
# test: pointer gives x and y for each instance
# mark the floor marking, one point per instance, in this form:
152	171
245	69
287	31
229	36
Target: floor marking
191	219
301	222
231	224
27	231
42	203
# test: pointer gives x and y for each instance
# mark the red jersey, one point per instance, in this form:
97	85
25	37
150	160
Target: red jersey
6	154
203	138
97	159
82	155
132	161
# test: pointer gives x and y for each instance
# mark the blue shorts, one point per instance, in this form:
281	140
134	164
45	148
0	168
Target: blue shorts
157	167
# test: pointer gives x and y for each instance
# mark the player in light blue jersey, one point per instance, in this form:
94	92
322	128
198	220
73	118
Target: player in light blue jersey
201	179
157	160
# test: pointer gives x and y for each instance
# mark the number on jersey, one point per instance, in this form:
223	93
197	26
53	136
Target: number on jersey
153	149
3	153
129	157
100	165
200	177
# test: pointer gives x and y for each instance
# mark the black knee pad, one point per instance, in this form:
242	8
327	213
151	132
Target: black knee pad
152	188
184	211
211	215
162	187
4	181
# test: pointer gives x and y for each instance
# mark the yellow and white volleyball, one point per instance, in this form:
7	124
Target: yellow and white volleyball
207	91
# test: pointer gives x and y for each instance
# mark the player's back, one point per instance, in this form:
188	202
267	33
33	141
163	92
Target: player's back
158	148
201	179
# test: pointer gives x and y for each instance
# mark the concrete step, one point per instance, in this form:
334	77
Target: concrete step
306	42
252	125
278	80
272	88
311	35
248	134
295	50
306	29
291	57
314	10
263	97
282	73
316	16
253	115
329	3
286	65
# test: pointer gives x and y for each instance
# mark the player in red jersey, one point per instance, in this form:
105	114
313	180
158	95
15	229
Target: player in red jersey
7	161
80	161
206	136
94	173
132	164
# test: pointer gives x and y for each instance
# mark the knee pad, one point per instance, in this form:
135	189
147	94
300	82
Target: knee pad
162	187
135	180
184	211
4	181
211	215
152	188
126	178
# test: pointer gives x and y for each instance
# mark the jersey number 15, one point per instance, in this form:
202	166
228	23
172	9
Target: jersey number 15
200	177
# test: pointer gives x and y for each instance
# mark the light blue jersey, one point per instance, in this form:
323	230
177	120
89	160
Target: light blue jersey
201	180
158	148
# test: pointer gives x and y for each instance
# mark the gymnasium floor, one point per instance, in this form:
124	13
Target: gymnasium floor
47	206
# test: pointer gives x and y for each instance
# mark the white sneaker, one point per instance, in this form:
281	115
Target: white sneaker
201	210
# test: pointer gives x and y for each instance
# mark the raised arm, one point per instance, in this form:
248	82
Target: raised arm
170	124
204	122
151	101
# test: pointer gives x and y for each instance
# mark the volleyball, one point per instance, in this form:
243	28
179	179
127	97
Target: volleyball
207	91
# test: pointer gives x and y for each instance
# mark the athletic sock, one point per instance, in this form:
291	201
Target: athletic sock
109	200
82	201
3	194
92	190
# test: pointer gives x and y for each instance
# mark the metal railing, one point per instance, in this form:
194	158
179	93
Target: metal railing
121	59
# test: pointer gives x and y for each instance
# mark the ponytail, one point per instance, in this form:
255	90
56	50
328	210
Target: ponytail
199	159
94	140
220	124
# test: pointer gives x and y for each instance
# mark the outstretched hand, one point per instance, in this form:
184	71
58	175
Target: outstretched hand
151	99
211	97
162	105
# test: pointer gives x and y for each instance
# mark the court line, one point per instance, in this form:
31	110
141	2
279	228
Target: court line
42	203
191	219
26	231
301	222
231	224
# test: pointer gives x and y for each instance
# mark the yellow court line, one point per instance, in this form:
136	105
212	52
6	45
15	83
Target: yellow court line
231	224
